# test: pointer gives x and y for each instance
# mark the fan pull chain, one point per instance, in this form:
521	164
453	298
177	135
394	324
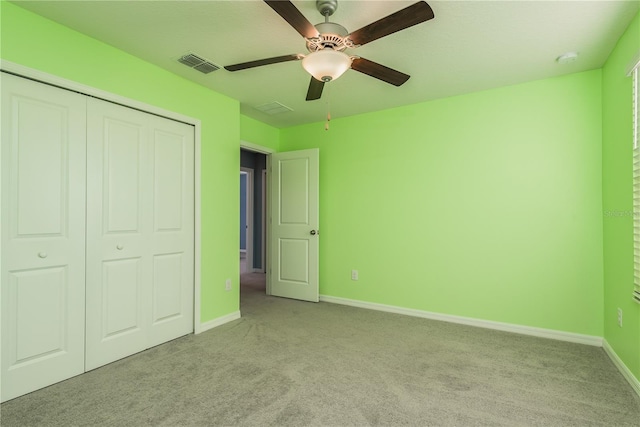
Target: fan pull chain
326	125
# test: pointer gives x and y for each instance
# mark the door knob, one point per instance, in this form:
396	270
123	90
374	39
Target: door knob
42	254
119	247
314	232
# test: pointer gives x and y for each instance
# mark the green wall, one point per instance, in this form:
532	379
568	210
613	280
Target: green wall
486	205
617	137
259	133
35	42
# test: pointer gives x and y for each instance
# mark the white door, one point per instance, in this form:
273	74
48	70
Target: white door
171	243
43	235
140	194
294	224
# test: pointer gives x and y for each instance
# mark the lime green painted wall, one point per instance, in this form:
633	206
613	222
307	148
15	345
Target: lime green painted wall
41	44
618	200
259	133
486	205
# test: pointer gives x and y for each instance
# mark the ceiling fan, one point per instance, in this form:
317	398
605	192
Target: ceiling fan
327	41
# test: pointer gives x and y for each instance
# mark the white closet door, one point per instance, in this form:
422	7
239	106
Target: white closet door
172	237
117	205
139	231
43	235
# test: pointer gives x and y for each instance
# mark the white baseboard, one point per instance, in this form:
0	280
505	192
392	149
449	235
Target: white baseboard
635	383
218	322
488	324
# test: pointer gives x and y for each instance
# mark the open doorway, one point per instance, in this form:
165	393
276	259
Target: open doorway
253	221
288	242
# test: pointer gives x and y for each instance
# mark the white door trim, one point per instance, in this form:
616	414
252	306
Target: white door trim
33	74
250	146
263	236
249	217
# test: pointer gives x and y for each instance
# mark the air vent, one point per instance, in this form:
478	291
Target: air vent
197	63
206	67
273	108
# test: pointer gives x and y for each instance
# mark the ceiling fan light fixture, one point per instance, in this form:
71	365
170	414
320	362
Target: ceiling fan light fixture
326	64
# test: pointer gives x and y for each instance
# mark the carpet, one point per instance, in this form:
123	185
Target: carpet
293	363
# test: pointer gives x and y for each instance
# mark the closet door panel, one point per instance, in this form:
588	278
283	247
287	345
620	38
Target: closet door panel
43	235
118	265
122	163
42	148
168	169
167	289
121	284
172	238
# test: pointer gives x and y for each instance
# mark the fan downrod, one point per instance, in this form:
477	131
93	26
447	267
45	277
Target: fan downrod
327	7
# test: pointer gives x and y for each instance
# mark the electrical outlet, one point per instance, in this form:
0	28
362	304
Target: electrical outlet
620	317
354	274
227	285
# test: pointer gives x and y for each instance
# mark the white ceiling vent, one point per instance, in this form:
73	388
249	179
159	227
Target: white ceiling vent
197	63
272	108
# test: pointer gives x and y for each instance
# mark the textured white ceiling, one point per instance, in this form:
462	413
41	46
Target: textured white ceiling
469	46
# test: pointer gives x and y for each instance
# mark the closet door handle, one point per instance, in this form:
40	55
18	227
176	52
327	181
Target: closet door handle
119	247
42	254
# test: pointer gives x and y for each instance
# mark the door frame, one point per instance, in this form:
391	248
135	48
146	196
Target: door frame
249	218
50	79
263	236
256	148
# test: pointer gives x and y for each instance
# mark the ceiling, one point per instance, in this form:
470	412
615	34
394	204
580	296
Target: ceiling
468	46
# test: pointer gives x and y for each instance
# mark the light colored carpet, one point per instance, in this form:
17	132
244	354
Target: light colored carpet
294	363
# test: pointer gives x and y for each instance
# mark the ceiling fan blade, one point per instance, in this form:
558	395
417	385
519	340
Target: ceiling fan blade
261	62
315	89
294	17
405	18
380	72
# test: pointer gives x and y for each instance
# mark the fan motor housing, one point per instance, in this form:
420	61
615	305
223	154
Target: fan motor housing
332	36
